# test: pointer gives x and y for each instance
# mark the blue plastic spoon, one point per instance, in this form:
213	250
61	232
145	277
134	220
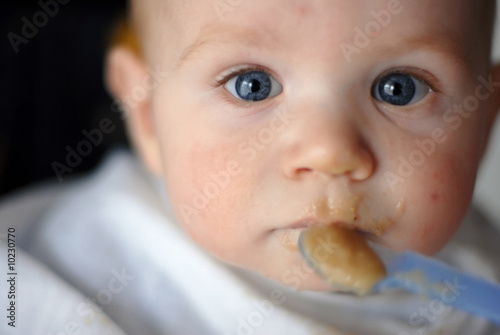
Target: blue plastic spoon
426	276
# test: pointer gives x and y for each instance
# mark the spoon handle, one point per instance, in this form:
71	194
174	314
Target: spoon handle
423	275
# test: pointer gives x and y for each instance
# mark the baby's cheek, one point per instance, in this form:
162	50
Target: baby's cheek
213	197
441	194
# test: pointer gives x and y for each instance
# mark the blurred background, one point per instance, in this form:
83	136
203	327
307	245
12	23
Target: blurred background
52	87
52	91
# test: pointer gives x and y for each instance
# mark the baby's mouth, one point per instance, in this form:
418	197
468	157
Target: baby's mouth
340	213
349	212
334	209
289	236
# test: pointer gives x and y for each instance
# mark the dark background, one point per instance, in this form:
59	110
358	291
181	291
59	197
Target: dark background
52	89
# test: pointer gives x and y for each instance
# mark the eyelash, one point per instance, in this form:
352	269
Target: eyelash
230	74
424	76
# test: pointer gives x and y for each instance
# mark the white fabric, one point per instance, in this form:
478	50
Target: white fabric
46	305
113	239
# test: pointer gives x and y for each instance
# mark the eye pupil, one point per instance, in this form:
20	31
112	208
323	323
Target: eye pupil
253	86
397	89
393	89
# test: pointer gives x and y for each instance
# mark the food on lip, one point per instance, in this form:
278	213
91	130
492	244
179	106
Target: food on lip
345	210
340	209
334	209
343	258
288	240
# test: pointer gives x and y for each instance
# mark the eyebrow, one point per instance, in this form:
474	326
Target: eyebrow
230	36
443	46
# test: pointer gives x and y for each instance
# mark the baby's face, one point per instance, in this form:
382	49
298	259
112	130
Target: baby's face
279	115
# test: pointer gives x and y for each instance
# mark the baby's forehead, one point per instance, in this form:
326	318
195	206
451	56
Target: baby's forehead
484	9
289	23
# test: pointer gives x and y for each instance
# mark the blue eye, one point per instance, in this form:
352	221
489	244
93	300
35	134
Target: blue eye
254	86
399	89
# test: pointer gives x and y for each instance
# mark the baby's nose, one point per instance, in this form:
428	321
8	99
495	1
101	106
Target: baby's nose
328	145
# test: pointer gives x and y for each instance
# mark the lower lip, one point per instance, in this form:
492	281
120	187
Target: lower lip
299	226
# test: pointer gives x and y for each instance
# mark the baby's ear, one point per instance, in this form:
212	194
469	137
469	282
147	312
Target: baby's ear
129	82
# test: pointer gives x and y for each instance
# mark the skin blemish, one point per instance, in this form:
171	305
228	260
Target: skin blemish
435	196
424	231
303	11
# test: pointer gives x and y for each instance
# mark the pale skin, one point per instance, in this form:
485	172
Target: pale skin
317	148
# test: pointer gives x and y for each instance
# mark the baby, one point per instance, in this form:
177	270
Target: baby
269	110
265	118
